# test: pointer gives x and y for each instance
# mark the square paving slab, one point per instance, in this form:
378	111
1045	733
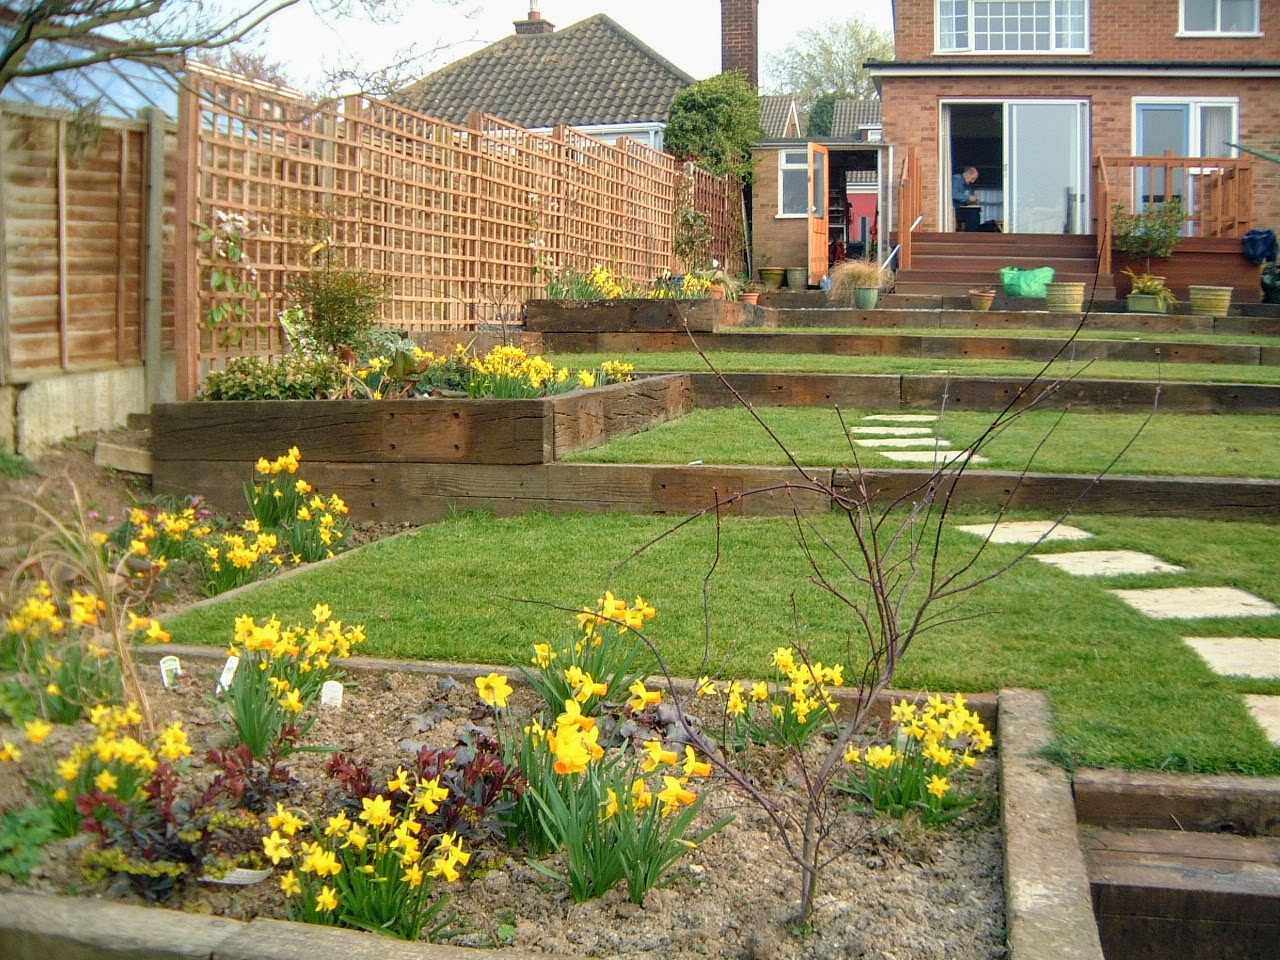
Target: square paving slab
1266	710
892	431
935	458
1197	603
1025	531
881	442
903	417
1240	656
1107	563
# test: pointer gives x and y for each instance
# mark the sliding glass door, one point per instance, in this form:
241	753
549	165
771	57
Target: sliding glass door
1045	166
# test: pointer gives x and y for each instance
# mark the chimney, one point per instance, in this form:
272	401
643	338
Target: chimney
535	23
739	38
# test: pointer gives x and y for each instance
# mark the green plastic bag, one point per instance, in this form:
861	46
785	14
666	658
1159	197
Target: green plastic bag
1026	283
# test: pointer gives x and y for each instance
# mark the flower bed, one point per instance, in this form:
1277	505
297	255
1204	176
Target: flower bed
624	316
906	892
369	451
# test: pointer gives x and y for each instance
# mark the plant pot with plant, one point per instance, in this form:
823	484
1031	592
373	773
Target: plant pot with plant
1150	233
1148	294
859	281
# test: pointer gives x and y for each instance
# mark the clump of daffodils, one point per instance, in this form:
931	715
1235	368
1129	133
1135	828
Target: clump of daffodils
924	762
789	712
308	526
280	672
370	872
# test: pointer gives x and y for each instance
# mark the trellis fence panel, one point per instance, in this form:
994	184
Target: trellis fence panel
463	223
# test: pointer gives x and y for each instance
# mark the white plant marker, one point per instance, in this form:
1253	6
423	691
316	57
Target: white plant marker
331	695
228	674
170	670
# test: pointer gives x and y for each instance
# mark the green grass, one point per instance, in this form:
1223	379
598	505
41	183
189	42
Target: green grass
14	465
1171	445
683	361
1248	339
1126	691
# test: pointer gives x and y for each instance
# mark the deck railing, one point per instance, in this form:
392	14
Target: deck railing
1215	192
910	205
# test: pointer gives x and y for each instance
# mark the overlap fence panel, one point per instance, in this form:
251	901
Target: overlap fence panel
462	223
73	221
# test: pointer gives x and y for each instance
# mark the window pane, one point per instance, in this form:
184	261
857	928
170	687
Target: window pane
795	191
1215	131
1239	16
795	158
953	24
1199	14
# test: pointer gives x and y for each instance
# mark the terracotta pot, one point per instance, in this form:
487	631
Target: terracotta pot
749	297
981	299
717	292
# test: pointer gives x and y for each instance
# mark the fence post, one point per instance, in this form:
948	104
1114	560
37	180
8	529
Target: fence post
153	265
4	267
186	287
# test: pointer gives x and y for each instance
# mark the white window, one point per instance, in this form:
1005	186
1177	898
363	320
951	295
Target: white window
793	183
1020	26
1220	16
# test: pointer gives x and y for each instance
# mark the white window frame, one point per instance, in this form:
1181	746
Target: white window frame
969	50
1219	32
783	167
1195	103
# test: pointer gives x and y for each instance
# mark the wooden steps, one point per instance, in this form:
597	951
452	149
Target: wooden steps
952	263
1170	895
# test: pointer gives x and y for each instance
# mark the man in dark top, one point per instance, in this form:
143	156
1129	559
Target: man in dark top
965	200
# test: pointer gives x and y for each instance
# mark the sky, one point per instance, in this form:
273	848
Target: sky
686	32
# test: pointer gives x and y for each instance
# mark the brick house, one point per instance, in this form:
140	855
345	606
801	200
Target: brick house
1051	99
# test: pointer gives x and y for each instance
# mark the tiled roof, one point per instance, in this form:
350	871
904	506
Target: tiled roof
851	114
591	72
775	116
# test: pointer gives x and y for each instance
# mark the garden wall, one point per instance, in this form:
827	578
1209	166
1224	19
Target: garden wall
626	316
209	447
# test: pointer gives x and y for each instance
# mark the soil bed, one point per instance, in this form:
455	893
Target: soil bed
899	891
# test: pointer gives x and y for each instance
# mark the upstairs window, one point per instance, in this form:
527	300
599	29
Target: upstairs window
1220	16
1015	26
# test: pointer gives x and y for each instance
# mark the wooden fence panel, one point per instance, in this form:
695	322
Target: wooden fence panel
460	221
74	207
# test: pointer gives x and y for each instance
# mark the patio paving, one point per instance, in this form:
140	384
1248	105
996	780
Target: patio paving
903	417
1197	603
1257	657
1025	531
1107	563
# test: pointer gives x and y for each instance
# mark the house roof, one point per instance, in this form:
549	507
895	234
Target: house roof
779	117
851	115
591	72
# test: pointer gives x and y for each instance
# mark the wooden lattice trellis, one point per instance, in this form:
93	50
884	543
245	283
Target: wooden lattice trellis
459	221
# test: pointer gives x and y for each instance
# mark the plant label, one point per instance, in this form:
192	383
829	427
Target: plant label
331	695
170	670
228	674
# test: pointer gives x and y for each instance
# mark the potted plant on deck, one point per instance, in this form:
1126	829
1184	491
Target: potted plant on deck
858	280
1153	232
1148	294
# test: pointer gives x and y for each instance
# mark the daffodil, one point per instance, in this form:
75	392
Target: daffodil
494	689
276	847
939	786
326	899
38	730
290	885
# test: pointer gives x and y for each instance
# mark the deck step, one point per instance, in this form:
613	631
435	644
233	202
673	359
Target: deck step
1184	896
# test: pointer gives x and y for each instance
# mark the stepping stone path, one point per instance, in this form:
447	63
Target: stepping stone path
1026	531
1196	603
934	458
1107	563
881	442
935	454
1257	657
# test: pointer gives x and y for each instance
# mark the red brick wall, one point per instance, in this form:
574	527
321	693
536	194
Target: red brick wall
1119	30
739	38
911	109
